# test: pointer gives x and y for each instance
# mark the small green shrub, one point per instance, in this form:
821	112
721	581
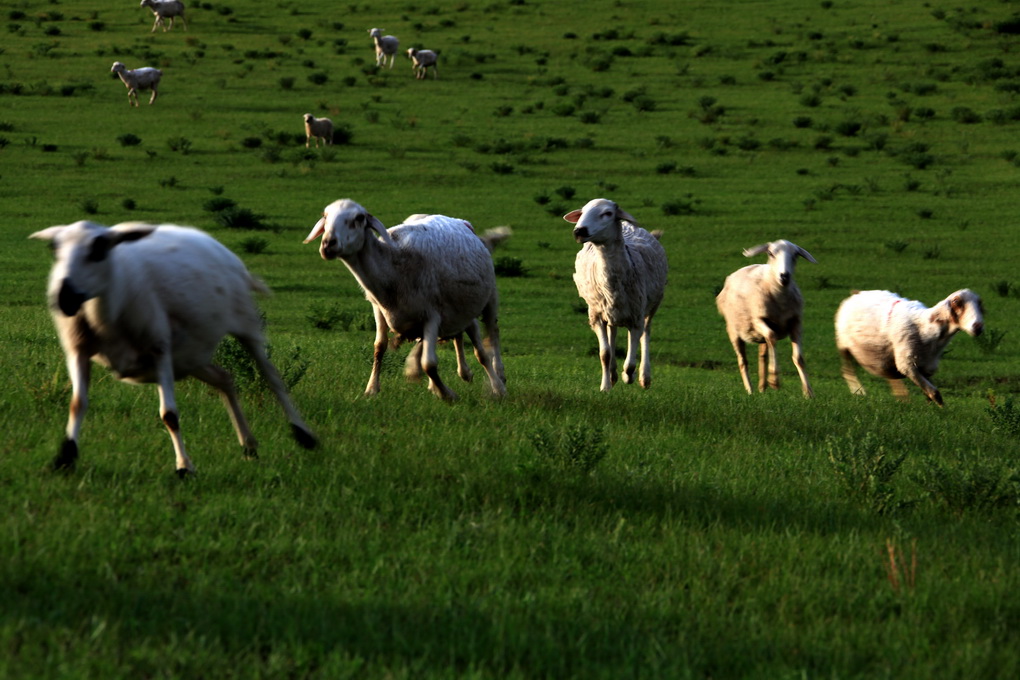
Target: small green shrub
509	267
181	144
239	218
254	245
865	470
89	206
990	340
219	203
580	448
129	139
970	483
128	204
328	315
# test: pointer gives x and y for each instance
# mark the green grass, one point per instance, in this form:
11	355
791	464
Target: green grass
683	531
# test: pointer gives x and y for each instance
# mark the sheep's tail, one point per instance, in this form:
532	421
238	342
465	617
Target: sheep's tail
657	234
258	285
493	237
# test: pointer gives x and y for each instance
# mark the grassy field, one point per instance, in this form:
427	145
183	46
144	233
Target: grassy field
684	531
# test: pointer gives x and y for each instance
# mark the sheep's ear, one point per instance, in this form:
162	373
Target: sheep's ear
317	230
806	255
622	214
756	250
104	243
380	229
46	234
573	216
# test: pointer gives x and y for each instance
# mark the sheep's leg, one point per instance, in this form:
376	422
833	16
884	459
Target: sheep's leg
763	366
905	364
168	414
495	380
646	357
767	364
132	97
899	390
79	367
256	348
155	24
381	329
412	366
798	360
607	353
221	381
630	363
430	361
848	369
491	321
740	347
463	370
154	93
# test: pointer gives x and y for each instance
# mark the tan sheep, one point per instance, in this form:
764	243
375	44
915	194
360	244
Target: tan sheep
761	303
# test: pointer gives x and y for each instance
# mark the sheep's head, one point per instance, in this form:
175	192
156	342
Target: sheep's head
375	32
344	229
782	258
598	221
118	68
81	268
967	312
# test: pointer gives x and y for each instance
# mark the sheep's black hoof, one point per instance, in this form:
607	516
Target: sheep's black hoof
303	437
185	473
251	453
68	456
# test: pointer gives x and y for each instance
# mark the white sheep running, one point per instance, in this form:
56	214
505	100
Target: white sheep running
385	46
621	273
895	338
421	61
319	128
429	279
163	10
152	302
145	78
762	304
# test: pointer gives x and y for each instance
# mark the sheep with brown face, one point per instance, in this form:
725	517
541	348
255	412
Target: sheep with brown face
895	338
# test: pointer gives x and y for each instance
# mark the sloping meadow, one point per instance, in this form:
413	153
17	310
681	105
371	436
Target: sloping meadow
686	530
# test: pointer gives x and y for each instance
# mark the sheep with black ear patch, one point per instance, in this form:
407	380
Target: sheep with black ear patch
896	338
427	280
151	303
762	304
621	272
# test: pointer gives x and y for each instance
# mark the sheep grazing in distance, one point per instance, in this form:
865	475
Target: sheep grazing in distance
621	273
163	10
421	61
145	78
896	338
319	128
151	303
426	280
762	304
385	46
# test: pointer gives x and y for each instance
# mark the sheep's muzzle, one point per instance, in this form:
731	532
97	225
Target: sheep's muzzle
581	234
70	299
